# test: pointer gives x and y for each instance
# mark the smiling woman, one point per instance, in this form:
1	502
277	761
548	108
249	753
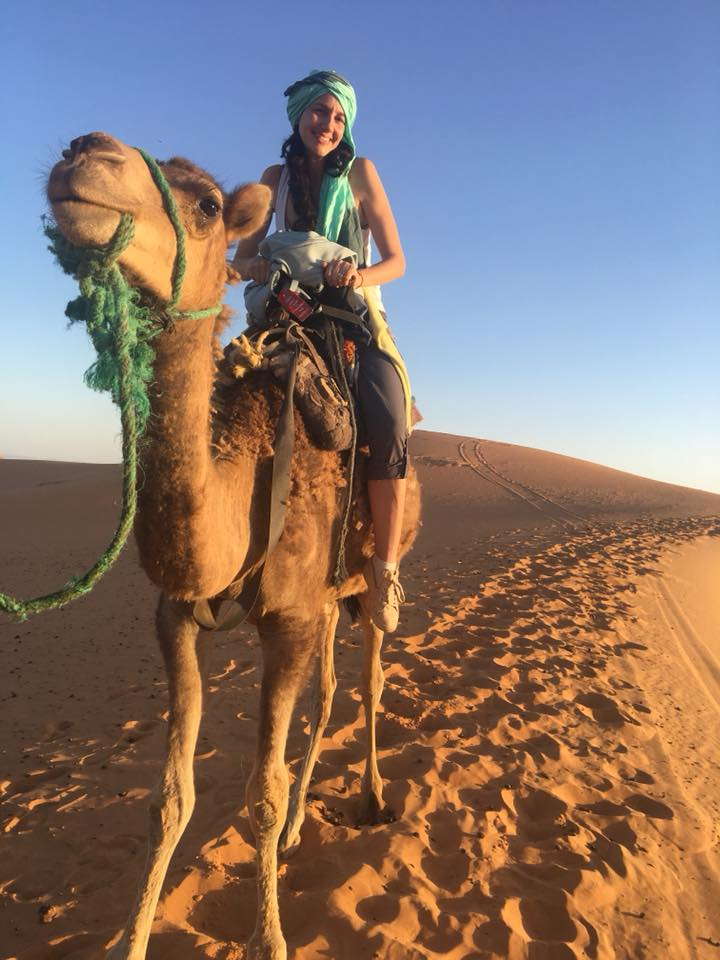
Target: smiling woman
324	187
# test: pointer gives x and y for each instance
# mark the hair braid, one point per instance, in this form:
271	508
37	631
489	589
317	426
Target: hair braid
293	153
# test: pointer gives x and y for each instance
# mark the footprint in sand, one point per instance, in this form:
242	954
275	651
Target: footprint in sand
602	709
35	778
32	886
651	808
442	935
138	729
380	909
392	732
412	763
315	874
622	833
71	947
541	816
445	862
545	926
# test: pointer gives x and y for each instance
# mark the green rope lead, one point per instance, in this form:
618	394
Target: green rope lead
84	584
121	329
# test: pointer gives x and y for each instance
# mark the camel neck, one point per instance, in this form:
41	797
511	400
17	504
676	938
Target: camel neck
180	498
179	426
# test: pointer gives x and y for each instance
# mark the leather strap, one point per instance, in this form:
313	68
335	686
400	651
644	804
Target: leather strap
279	496
297	332
347	315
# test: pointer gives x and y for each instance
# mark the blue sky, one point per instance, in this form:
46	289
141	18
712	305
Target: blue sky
552	165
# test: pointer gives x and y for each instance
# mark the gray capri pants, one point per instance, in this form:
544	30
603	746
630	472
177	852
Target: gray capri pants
382	411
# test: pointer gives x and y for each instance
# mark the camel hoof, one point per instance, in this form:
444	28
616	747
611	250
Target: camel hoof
373	812
277	950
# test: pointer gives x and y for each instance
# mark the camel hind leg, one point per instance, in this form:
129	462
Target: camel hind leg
287	650
325	685
371	796
174	797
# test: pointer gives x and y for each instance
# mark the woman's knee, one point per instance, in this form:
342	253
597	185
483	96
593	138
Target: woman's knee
382	405
388	454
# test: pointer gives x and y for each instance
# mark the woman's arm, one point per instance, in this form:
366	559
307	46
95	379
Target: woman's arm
246	260
376	212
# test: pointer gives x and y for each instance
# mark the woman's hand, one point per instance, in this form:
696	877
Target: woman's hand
342	273
258	269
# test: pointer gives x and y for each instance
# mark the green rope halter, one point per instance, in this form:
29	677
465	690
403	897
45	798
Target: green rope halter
121	328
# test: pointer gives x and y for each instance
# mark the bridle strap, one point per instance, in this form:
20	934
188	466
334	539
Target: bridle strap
180	264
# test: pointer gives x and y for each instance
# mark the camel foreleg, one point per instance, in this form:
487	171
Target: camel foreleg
325	685
371	796
286	655
174	797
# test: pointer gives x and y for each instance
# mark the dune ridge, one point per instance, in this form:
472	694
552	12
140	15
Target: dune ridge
548	737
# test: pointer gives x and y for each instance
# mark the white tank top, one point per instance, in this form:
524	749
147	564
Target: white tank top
281	199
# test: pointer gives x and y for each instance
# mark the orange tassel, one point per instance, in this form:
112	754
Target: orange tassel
349	351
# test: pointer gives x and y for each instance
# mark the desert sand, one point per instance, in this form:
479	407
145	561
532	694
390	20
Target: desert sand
549	736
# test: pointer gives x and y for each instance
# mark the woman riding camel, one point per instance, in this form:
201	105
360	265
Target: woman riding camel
323	186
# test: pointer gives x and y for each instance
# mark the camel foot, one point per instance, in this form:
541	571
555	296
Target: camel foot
275	949
373	811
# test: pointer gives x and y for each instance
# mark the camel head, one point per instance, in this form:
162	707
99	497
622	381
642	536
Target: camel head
100	178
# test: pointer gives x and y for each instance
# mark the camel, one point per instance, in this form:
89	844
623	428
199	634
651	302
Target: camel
203	516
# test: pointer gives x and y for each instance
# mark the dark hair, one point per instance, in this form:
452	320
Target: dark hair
293	153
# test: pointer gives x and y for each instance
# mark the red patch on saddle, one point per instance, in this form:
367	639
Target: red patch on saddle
294	304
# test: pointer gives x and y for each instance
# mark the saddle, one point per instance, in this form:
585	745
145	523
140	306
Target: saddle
305	333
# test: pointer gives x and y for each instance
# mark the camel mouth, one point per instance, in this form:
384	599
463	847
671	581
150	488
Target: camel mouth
69	198
76	179
65	201
64	198
84	223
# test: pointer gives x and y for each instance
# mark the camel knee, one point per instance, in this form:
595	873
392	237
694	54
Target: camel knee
170	812
268	815
267	800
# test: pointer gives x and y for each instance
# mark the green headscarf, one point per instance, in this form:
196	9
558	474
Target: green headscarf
335	194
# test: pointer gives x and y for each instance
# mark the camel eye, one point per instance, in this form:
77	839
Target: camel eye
209	206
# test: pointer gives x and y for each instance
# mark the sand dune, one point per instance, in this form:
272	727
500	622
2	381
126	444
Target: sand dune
549	736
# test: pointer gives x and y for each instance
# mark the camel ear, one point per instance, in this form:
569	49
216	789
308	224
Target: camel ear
247	210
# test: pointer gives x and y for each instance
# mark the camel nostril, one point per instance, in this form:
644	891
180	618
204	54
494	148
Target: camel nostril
100	145
76	146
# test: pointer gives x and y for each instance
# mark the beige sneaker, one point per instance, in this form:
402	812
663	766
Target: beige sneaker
385	594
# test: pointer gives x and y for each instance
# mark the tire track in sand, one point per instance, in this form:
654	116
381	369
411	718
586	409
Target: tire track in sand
689	642
479	464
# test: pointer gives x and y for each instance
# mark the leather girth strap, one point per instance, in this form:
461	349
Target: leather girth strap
279	496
